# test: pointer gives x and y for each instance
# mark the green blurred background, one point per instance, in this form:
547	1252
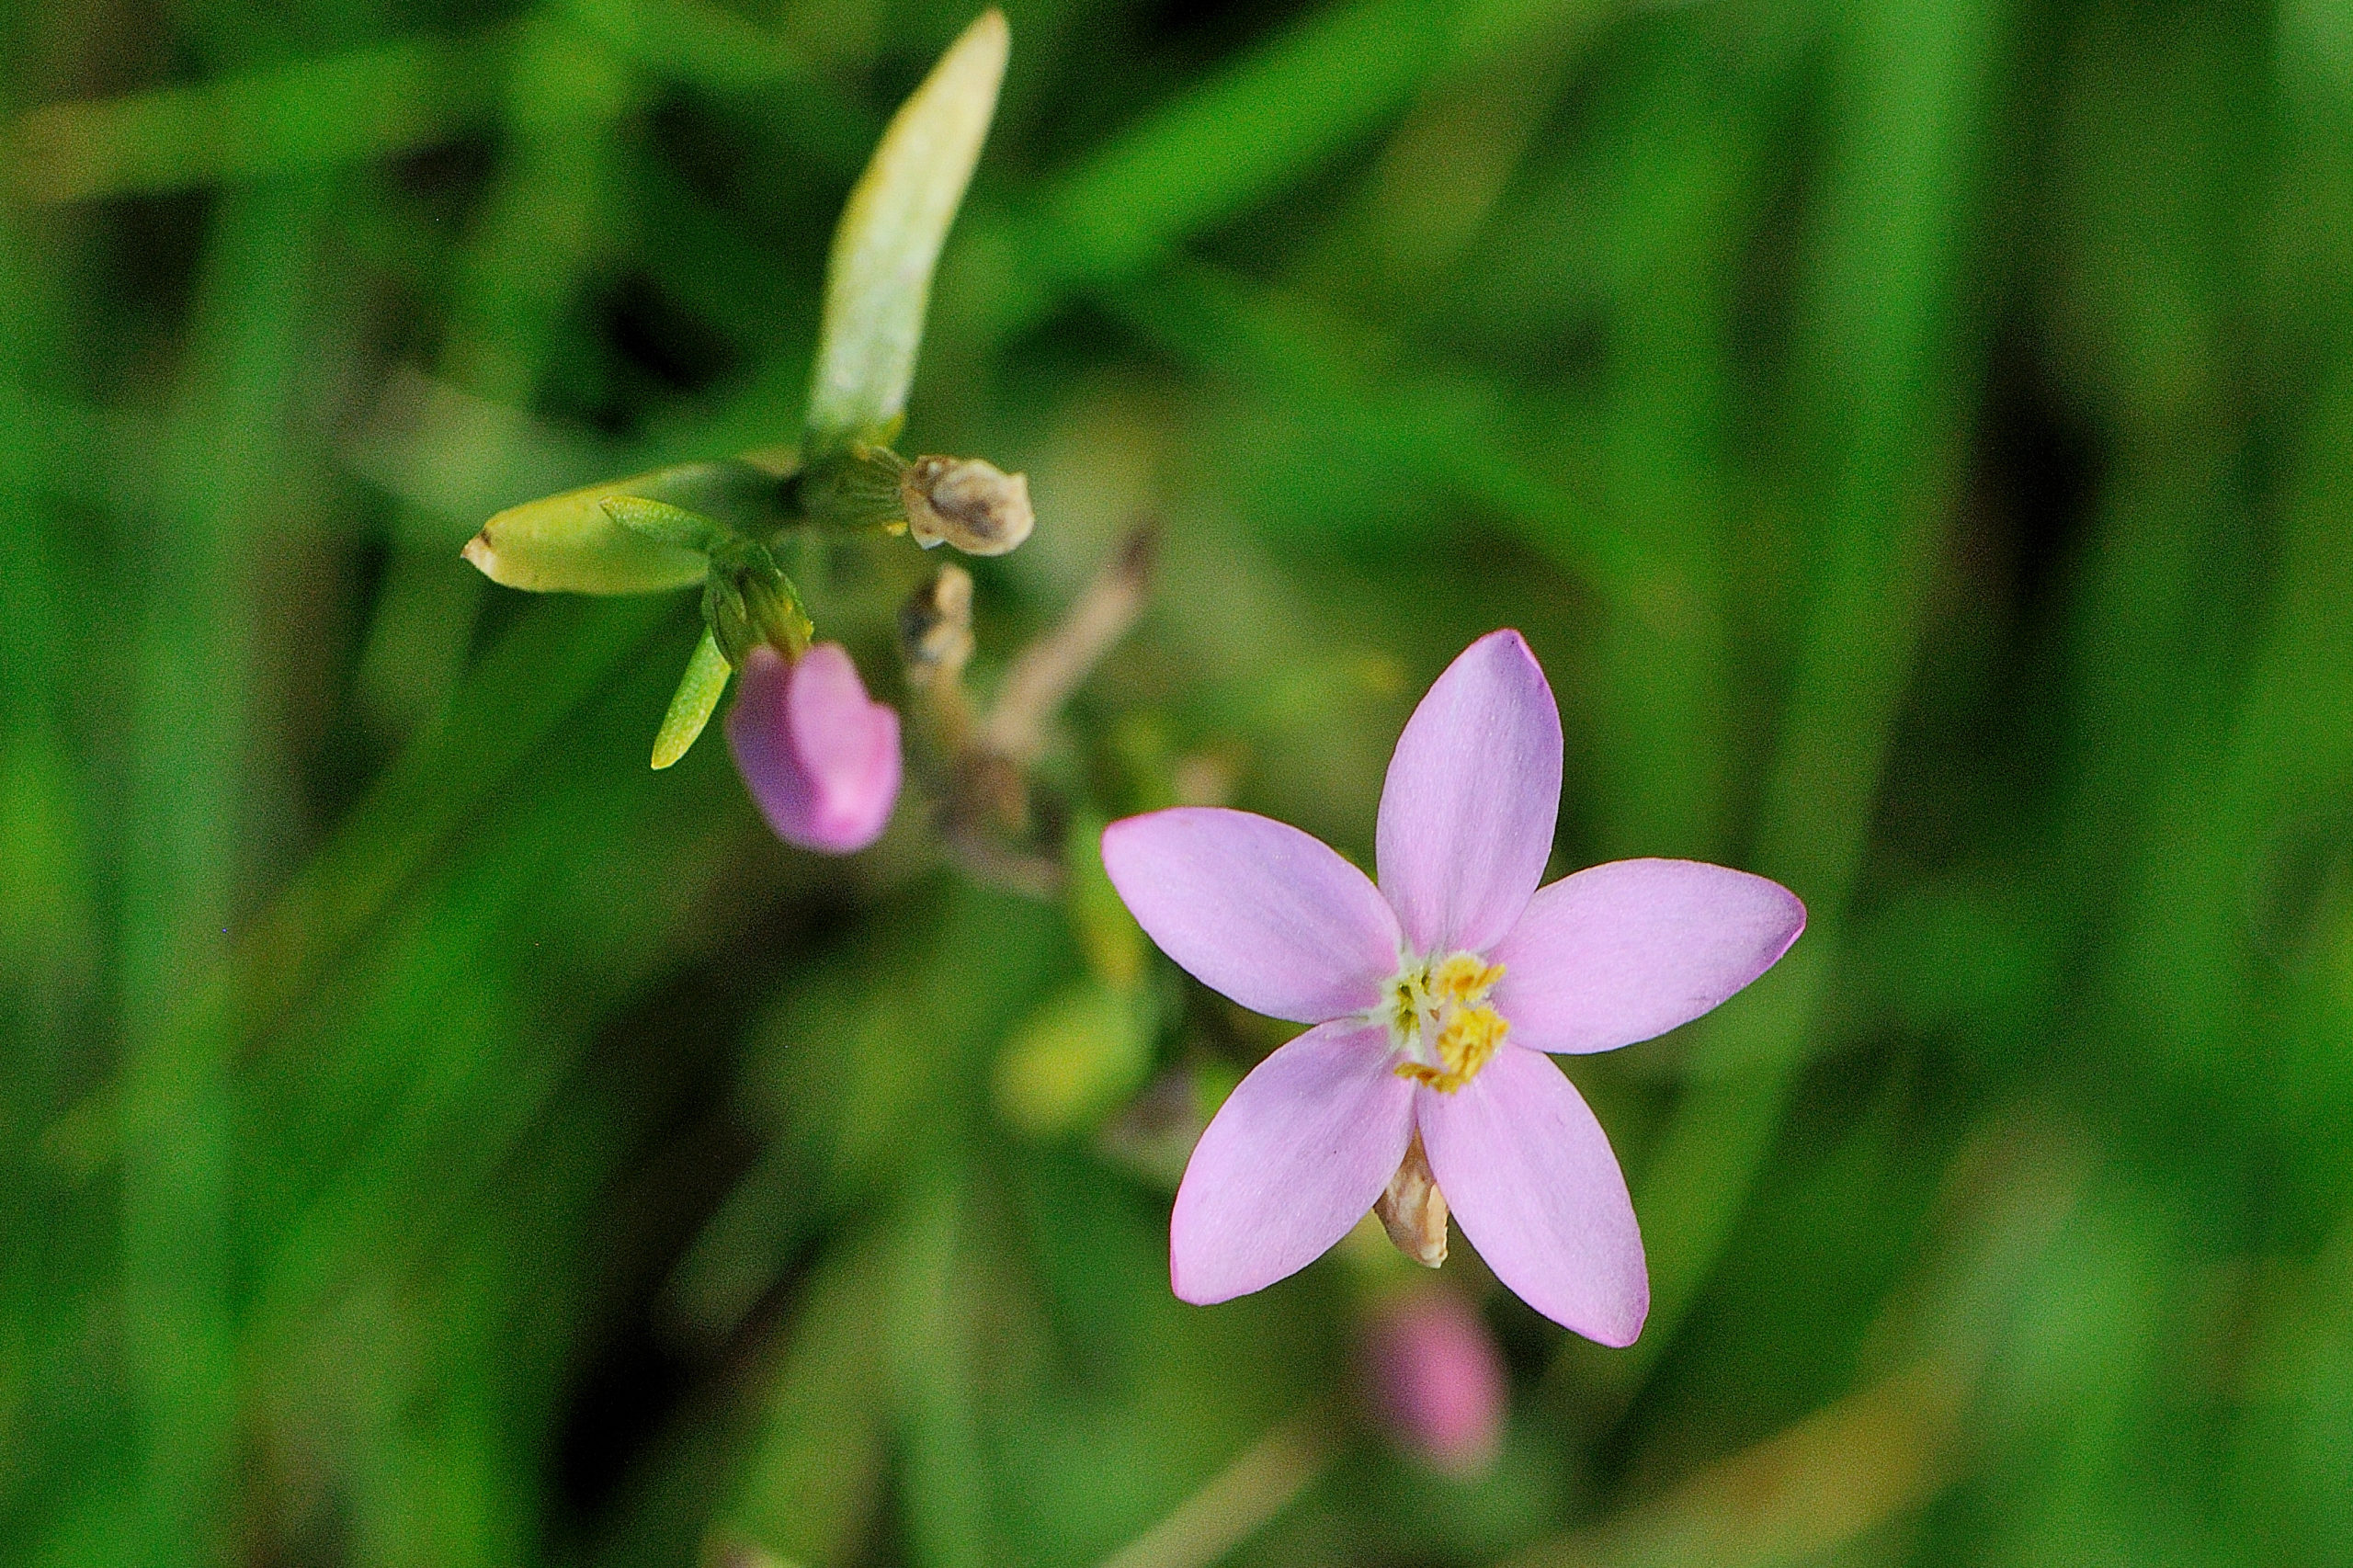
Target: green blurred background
1917	438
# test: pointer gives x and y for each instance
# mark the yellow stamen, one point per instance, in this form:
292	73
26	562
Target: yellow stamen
1470	1039
1440	1011
1463	980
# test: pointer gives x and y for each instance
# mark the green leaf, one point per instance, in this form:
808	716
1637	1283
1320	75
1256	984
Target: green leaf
306	114
878	279
696	701
1245	134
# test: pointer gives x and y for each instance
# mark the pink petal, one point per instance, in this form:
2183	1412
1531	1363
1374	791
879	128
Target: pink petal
1294	1157
1534	1186
1620	952
1466	816
1255	909
820	756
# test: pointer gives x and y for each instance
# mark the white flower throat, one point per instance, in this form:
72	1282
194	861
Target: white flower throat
1440	1023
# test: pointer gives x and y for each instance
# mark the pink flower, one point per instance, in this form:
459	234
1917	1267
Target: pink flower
820	756
1437	1380
1434	997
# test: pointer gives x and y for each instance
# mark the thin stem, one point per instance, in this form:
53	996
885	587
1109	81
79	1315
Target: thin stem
1050	668
1235	1504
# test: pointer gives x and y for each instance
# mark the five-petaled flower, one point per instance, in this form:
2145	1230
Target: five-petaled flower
1434	997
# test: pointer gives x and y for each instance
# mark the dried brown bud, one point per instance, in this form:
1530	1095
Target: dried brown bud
1413	1209
967	502
936	627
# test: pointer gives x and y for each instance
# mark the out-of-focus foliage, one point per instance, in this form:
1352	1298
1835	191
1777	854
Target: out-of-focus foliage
1917	436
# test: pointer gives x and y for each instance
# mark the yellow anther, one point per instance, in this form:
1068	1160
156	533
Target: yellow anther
1465	1045
1439	1011
1463	979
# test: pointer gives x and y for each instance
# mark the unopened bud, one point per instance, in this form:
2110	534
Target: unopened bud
967	502
820	756
574	543
570	543
1412	1209
1437	1380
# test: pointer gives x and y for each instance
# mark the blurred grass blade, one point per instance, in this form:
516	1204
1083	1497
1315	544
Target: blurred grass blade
367	103
877	282
1244	135
1878	358
1260	1482
553	660
814	1474
1255	131
1422	419
698	698
2227	821
692	40
189	725
1797	1496
1864	1460
933	1325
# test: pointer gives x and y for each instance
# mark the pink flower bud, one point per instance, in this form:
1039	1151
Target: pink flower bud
1437	1380
820	756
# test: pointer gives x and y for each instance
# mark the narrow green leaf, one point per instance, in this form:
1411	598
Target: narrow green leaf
697	700
308	114
189	750
877	282
1246	134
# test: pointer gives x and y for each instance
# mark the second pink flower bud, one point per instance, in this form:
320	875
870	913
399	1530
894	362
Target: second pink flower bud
1436	1380
820	756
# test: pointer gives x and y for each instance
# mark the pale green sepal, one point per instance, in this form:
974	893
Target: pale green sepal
696	699
878	279
748	601
728	620
773	605
570	543
663	522
853	490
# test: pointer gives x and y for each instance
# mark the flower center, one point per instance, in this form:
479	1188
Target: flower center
1439	1023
